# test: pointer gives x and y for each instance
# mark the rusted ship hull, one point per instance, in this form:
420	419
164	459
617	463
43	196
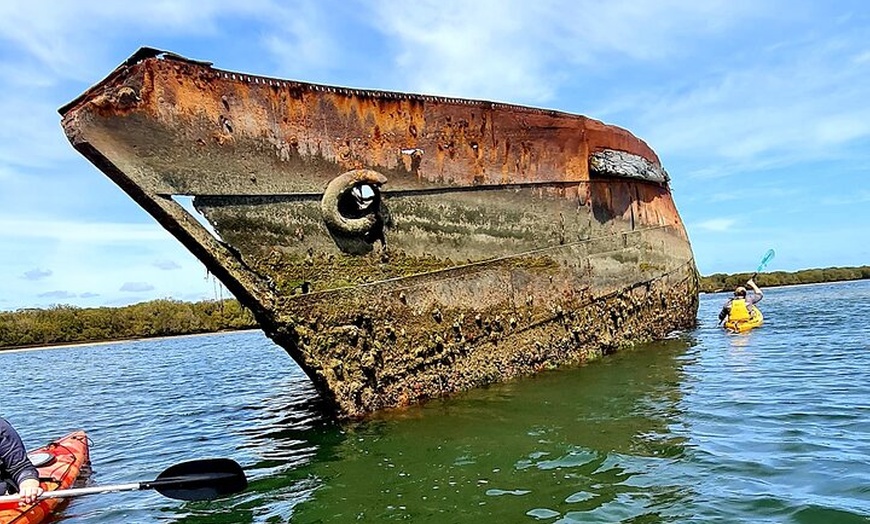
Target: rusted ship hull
399	247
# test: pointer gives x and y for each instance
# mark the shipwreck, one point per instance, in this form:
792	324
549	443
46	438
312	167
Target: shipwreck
400	247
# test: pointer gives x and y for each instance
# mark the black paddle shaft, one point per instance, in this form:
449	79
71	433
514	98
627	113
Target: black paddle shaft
205	479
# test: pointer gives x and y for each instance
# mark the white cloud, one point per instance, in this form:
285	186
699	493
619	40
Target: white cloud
91	261
837	129
526	51
166	265
299	37
136	287
31	135
36	274
717	224
70	38
724	197
95	270
806	101
57	294
81	232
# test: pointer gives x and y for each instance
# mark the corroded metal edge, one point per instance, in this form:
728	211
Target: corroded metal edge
620	163
145	53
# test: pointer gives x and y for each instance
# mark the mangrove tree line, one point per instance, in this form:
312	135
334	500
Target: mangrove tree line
70	324
727	282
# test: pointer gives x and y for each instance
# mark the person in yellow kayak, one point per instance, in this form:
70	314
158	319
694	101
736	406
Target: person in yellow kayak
740	307
17	474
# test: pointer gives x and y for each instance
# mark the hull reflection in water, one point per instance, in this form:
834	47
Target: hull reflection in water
399	247
583	444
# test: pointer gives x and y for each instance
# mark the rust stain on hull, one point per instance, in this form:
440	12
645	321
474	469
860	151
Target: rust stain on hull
399	247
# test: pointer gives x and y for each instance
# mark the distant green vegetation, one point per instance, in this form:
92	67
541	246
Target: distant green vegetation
725	282
69	324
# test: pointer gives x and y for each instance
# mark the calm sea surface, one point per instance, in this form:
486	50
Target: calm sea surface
773	426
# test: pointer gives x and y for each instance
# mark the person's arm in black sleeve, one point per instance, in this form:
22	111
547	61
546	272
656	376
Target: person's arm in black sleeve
13	456
726	309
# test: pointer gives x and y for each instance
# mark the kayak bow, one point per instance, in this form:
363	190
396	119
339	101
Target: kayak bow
742	326
59	464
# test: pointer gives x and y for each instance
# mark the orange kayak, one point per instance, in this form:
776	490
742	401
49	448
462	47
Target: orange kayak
59	464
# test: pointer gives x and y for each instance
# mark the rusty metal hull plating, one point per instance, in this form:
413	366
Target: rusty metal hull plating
399	247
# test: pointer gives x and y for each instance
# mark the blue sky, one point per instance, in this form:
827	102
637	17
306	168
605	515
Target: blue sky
759	110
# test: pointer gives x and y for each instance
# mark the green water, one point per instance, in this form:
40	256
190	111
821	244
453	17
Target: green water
772	426
587	441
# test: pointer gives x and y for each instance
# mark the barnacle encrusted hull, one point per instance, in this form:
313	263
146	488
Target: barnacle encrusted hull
399	247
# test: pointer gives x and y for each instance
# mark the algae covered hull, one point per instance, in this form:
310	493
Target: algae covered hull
399	247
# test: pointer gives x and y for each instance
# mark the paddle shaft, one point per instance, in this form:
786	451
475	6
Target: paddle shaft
78	492
133	486
194	480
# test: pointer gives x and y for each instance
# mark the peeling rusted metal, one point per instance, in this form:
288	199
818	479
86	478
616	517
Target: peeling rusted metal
399	247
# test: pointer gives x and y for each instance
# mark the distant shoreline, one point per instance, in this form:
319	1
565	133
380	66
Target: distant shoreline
59	326
721	282
64	345
806	284
64	325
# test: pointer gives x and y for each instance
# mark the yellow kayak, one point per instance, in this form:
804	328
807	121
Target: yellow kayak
742	326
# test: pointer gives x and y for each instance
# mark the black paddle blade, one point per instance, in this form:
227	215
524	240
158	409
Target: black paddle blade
205	479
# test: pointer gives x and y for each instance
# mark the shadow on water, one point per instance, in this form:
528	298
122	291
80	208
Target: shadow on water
581	444
279	437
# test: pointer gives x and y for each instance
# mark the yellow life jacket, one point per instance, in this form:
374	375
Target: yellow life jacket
739	311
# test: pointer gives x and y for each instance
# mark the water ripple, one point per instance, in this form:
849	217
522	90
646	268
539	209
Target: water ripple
771	426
